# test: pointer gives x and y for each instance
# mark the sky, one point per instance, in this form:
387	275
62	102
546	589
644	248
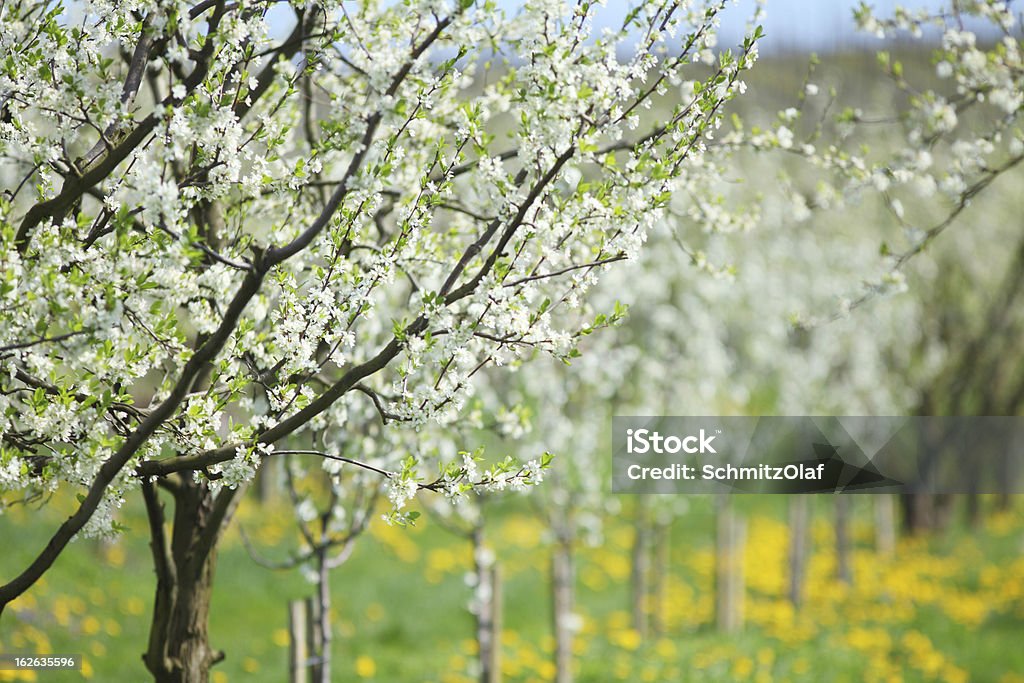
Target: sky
791	25
812	24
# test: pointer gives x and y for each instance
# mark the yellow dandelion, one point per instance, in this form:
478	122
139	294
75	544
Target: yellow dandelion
743	667
90	626
627	638
281	637
133	606
365	666
665	648
546	670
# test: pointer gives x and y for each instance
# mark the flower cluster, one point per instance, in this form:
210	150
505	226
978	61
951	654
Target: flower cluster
214	236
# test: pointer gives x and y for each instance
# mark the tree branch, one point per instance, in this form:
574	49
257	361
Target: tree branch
339	458
384	415
569	269
45	340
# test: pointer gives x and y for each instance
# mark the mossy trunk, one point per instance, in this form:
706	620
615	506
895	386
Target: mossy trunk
179	648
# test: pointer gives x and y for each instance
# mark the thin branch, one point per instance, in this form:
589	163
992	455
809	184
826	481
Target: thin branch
45	340
216	256
935	231
136	69
563	271
339	458
452	296
266	563
384	415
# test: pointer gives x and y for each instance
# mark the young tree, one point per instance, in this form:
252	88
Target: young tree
217	240
331	512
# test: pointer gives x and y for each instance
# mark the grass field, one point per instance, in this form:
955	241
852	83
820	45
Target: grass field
949	609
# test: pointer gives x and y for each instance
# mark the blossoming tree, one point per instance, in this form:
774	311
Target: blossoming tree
218	240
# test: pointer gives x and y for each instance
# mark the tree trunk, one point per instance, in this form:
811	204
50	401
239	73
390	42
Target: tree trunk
313	639
730	581
799	541
640	566
1008	469
973	509
926	512
322	671
297	654
844	568
496	622
885	524
662	569
486	635
562	602
266	481
179	650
